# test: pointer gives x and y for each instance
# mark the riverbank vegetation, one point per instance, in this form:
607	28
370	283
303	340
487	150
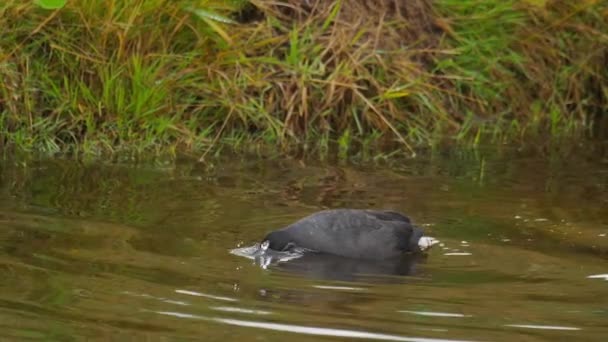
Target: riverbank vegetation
98	76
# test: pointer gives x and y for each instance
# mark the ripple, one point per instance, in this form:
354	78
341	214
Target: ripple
164	300
338	288
240	310
178	314
308	330
598	276
328	331
435	314
200	294
543	327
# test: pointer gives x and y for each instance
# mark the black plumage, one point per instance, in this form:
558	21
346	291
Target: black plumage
353	233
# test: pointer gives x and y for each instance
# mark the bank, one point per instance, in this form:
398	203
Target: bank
102	76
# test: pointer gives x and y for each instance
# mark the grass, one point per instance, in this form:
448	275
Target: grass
103	76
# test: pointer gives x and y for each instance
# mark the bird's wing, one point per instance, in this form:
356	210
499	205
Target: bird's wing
388	215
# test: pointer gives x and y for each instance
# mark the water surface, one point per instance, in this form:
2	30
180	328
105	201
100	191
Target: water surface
106	251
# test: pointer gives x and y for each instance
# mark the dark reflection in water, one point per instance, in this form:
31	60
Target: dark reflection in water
332	267
103	251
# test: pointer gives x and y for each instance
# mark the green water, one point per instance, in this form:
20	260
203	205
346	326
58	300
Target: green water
118	252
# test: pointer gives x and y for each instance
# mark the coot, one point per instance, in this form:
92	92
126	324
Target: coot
352	233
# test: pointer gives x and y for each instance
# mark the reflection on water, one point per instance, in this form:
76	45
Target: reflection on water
308	330
435	314
542	327
199	294
118	252
598	276
327	266
332	267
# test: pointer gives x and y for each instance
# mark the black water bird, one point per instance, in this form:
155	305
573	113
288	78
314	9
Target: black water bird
351	233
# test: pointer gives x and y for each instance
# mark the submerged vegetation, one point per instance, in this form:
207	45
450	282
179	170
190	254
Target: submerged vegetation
97	76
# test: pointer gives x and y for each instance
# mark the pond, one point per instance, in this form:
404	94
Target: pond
116	251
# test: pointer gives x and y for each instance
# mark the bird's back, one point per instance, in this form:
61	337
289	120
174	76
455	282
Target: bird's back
366	234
